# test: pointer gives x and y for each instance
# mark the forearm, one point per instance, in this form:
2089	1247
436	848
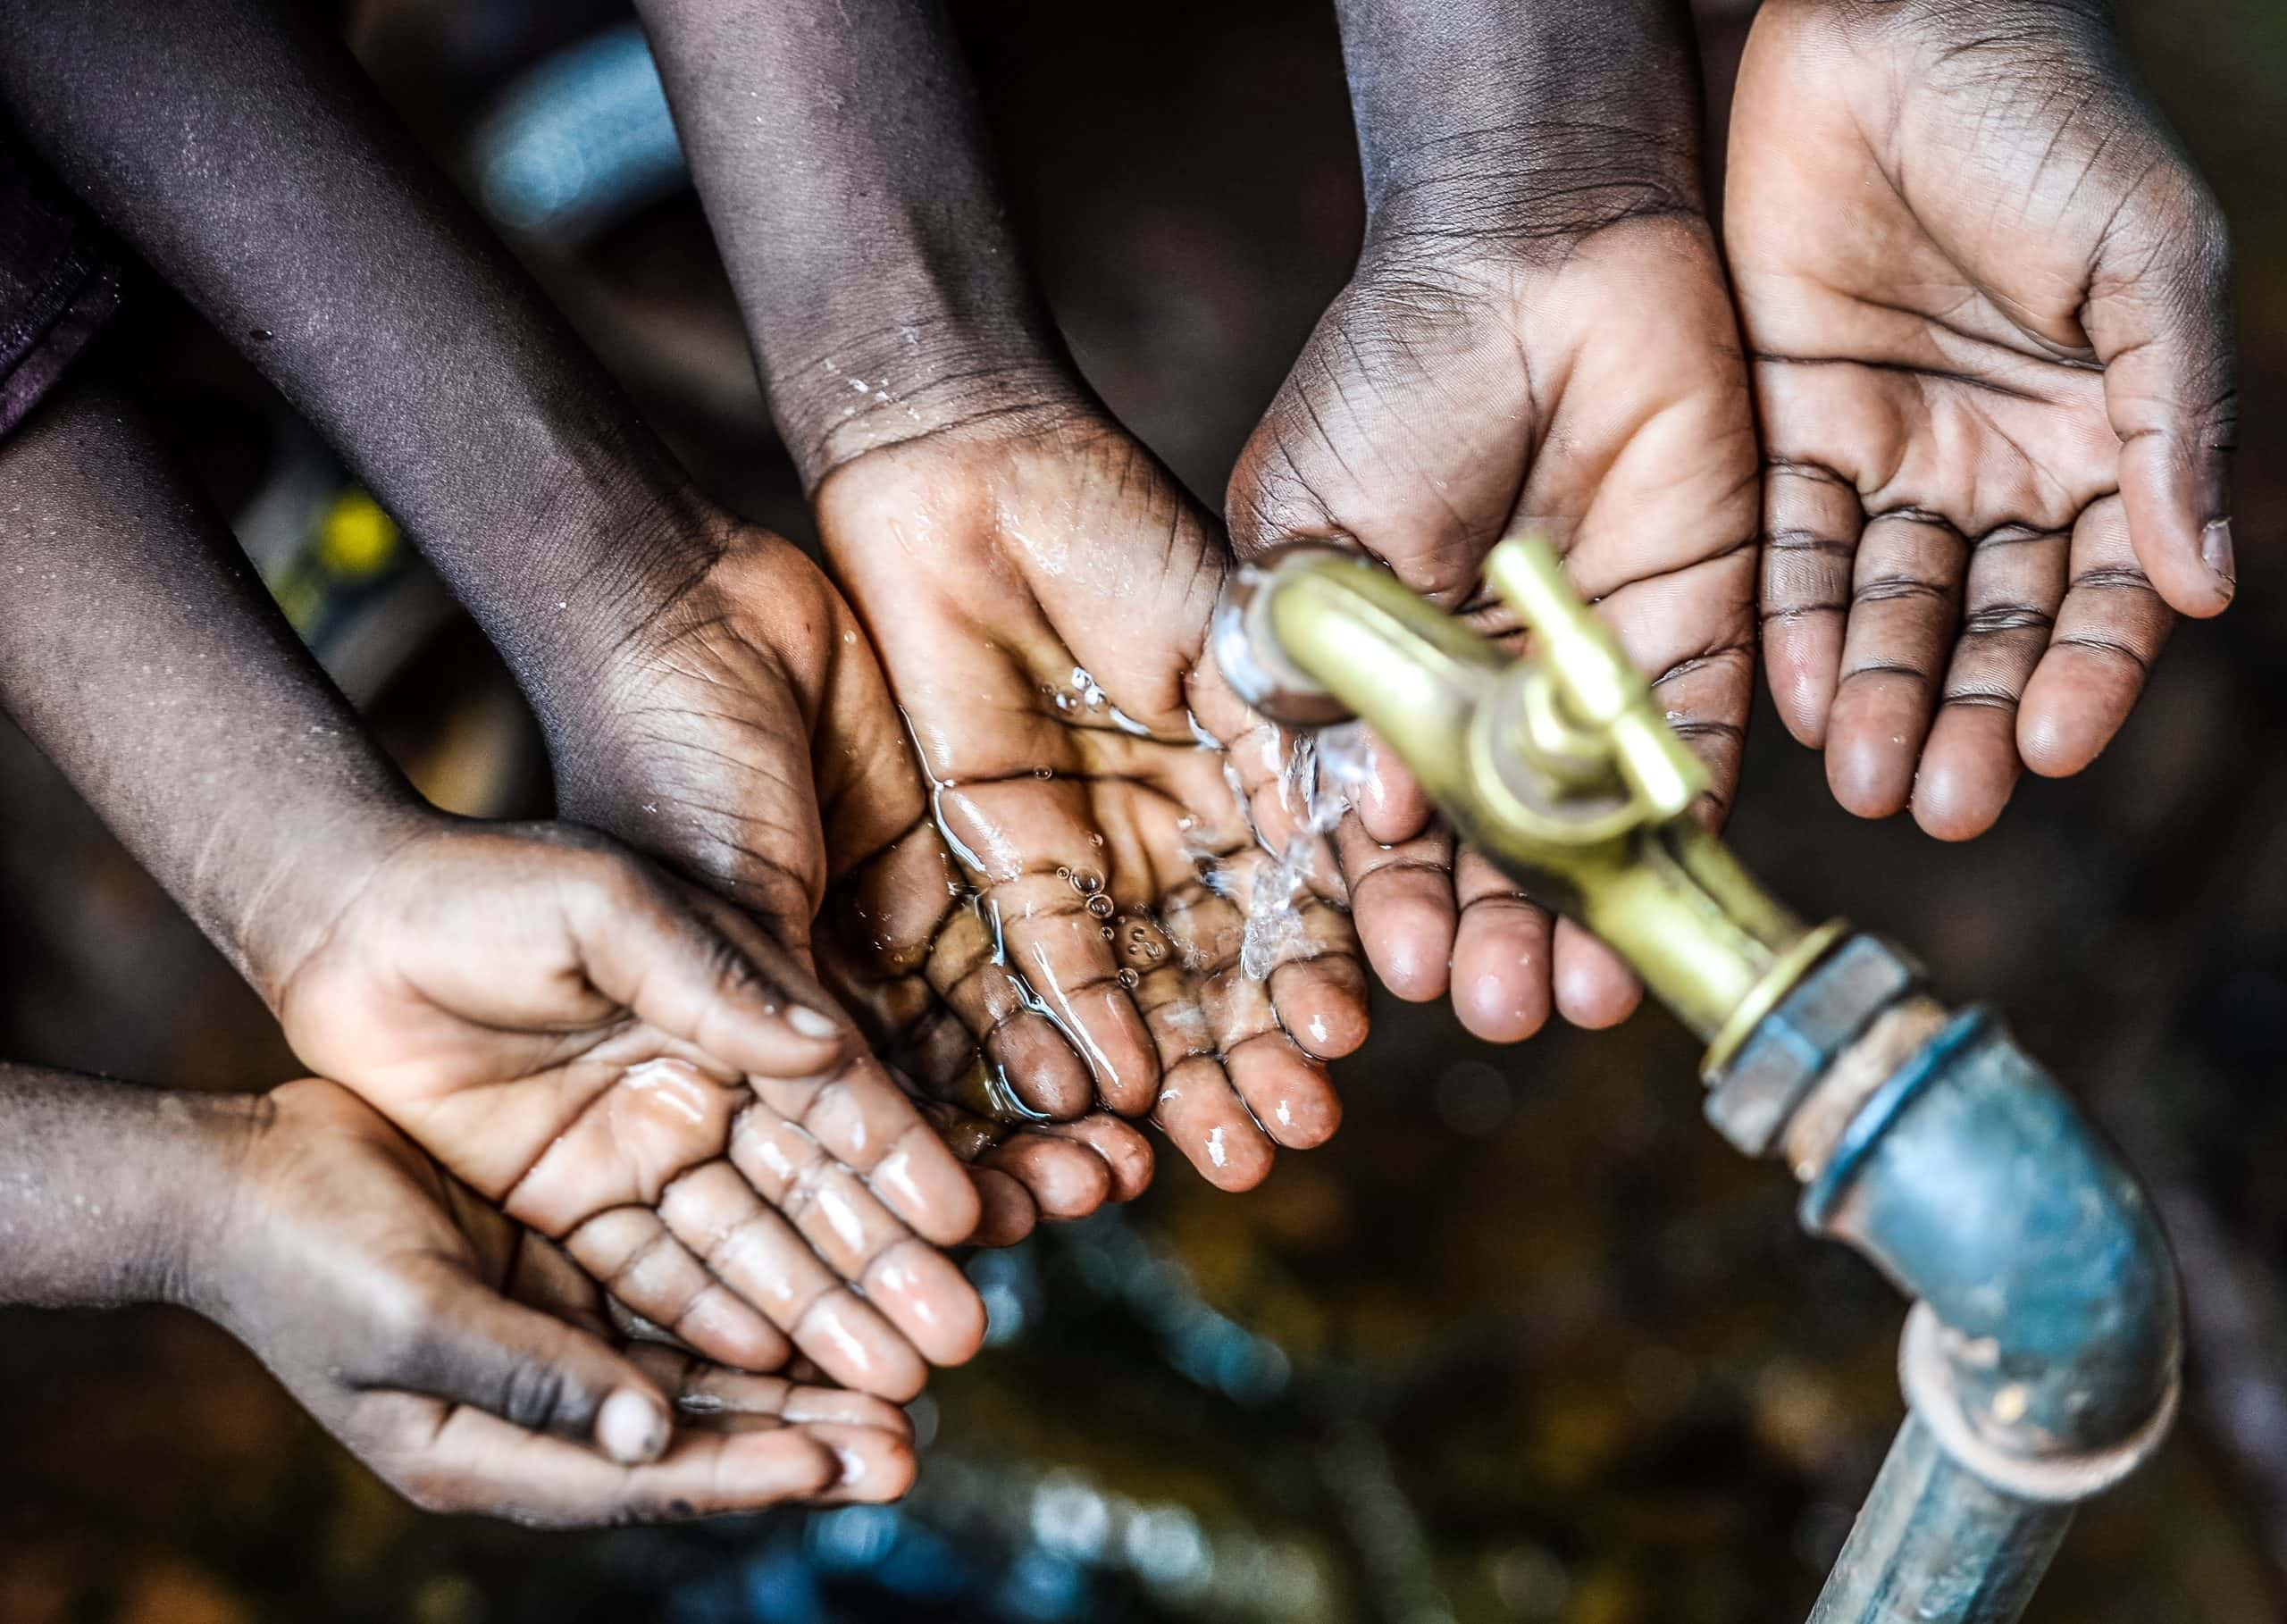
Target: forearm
1503	124
140	653
245	154
844	170
107	1190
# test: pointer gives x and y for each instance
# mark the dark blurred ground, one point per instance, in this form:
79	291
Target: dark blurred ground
1527	1341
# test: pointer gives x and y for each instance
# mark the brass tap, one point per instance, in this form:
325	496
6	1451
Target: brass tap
1560	766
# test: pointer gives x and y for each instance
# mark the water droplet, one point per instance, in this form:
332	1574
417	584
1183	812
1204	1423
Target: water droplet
1087	881
1063	873
1042	773
1101	906
1107	933
1128	978
1096	840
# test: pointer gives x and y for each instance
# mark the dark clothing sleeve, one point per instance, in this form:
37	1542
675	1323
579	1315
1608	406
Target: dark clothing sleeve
59	280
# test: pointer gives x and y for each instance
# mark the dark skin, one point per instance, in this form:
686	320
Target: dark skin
1537	332
1039	585
624	1062
467	1361
1997	409
707	696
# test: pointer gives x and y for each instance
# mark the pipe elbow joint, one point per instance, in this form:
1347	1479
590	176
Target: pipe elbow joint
2046	1347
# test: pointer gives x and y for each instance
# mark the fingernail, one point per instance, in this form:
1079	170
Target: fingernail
2216	550
809	1023
632	1427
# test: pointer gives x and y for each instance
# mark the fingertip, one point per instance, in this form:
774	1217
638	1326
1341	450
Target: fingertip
1500	1008
1869	778
1409	942
633	1428
1594	990
1006	1214
1322	1003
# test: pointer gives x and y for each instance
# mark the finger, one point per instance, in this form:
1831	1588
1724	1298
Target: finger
2010	599
1286	1093
2109	631
1502	961
1594	988
644	946
1116	1143
1065	1180
1051	928
631	1253
1811	520
1401	897
1005	1211
1023	1046
474	1462
920	1291
751	1247
860	1117
470	1345
1904	612
2159	317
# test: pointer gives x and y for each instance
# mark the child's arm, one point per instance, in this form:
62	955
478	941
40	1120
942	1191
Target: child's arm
469	1364
626	1064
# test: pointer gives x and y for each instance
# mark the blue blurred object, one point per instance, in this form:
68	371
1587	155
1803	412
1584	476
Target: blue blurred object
581	140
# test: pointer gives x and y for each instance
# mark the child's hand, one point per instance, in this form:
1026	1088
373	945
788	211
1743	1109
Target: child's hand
635	1070
744	736
1537	332
1041	591
1987	303
469	1362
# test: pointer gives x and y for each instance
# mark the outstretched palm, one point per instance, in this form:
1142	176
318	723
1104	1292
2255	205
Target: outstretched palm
1985	298
746	737
1041	591
1582	375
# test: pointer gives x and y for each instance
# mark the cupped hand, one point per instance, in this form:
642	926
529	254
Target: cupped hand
1568	360
469	1362
1136	858
634	1068
744	736
1987	303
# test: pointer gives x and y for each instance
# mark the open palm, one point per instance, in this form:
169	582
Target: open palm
1041	591
1584	378
746	738
1986	299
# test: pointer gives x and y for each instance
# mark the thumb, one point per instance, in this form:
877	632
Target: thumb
697	970
2159	317
477	1348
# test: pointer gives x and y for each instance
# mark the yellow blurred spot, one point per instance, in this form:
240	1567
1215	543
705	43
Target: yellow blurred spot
355	538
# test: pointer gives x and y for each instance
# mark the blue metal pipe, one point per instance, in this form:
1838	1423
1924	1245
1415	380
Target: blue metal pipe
1935	1543
2042	1358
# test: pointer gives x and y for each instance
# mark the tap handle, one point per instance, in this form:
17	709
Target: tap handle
1602	692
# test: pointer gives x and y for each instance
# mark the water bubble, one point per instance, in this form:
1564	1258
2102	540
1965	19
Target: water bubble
1108	933
1128	979
1043	773
1087	882
1101	906
1063	873
1096	840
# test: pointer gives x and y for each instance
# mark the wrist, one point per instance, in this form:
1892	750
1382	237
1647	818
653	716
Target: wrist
923	369
196	1245
316	874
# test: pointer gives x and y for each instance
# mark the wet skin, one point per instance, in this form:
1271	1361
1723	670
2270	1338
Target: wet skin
1996	405
1537	332
686	669
630	1063
466	1361
1039	587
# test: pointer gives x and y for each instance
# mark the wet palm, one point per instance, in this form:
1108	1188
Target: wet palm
1986	301
473	1366
746	738
1586	381
1041	591
632	1069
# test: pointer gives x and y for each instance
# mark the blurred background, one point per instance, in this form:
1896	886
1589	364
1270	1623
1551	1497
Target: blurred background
1527	1341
